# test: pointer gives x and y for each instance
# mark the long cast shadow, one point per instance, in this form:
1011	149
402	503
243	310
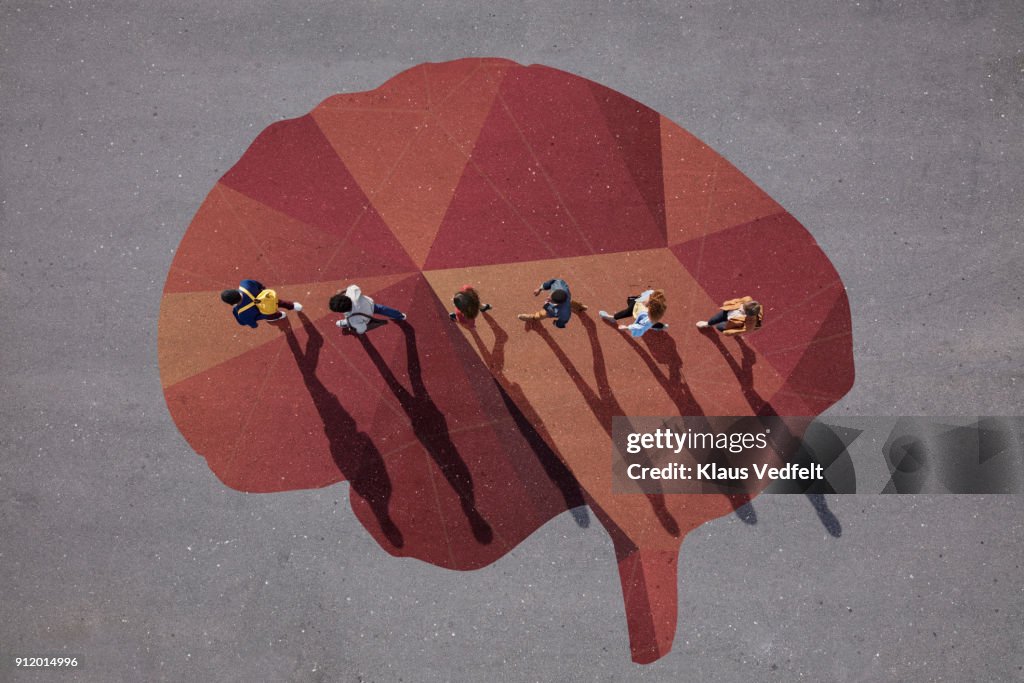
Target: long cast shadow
602	403
431	428
529	423
661	348
744	371
353	452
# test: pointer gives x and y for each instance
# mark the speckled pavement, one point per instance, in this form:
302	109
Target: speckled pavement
888	131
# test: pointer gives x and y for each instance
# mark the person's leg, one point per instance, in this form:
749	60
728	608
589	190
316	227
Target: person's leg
539	315
388	312
290	305
577	307
624	313
717	321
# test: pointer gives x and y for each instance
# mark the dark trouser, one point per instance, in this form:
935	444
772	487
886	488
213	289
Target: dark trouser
718	320
387	312
281	303
628	311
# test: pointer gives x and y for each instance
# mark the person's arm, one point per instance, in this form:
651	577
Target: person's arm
735	326
357	323
638	326
545	286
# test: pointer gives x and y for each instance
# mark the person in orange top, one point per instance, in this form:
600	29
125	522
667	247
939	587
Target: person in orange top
737	316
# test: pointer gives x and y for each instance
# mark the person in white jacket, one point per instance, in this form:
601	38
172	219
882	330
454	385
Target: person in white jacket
359	310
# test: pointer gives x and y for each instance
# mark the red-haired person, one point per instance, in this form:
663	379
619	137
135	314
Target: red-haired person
467	306
646	310
737	316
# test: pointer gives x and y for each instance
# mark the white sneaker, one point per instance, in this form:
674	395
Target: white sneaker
605	315
404	316
701	324
297	307
664	326
342	323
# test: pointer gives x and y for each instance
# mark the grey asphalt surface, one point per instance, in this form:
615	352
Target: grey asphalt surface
892	131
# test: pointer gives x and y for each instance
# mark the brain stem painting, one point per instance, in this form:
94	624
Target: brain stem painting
461	436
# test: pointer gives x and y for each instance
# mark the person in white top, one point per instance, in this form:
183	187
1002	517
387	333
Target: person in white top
359	310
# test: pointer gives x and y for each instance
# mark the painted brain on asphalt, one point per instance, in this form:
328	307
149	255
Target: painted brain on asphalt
459	443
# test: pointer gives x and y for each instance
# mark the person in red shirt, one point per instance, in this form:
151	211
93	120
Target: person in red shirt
467	306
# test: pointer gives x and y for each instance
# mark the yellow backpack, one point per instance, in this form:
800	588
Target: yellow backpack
265	301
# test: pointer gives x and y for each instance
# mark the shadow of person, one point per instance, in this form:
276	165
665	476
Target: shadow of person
529	423
353	452
661	349
744	371
431	428
602	402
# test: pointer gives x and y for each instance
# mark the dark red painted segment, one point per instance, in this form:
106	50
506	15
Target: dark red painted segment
292	168
563	127
818	371
636	130
775	261
564	174
503	209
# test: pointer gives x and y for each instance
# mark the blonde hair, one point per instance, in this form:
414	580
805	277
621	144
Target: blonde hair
656	305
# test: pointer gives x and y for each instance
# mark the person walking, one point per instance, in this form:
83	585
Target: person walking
647	310
736	316
253	302
467	306
559	304
359	310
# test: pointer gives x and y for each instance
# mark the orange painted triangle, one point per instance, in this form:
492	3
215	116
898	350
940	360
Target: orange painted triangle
370	143
406	90
198	332
704	193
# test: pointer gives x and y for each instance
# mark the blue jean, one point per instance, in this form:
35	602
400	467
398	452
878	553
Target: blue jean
387	312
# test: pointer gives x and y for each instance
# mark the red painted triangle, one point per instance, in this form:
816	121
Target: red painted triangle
636	130
292	168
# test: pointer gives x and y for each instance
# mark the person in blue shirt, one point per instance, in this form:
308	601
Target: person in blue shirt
646	310
559	305
245	300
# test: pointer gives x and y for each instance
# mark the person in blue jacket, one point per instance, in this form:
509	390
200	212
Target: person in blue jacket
559	305
250	297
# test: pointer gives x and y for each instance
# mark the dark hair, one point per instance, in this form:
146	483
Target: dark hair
340	303
559	296
231	296
467	301
752	308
